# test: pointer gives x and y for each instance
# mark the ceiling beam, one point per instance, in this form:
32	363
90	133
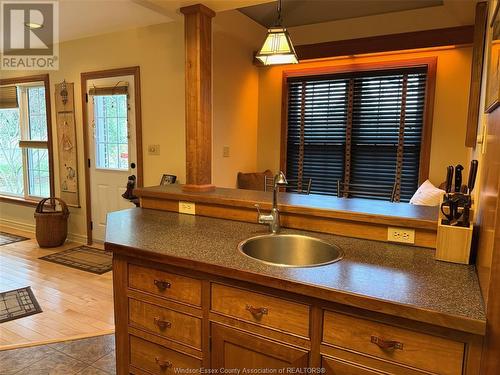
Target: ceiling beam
386	43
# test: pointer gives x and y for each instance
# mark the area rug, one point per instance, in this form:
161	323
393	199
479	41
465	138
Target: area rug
83	258
7	238
18	303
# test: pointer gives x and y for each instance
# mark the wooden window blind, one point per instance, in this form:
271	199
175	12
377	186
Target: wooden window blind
360	128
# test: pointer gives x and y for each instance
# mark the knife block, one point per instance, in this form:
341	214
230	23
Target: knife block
453	243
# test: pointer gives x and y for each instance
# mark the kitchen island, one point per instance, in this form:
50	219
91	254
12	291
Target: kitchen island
185	296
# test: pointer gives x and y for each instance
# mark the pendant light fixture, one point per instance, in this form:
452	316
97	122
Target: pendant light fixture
278	47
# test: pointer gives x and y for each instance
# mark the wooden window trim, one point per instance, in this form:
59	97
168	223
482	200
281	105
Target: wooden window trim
46	83
429	62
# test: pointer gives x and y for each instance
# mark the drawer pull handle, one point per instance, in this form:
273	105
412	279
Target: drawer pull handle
162	324
163	364
387	345
257	312
162	285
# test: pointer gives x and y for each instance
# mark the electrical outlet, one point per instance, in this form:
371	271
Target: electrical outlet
225	151
154	149
403	235
187	208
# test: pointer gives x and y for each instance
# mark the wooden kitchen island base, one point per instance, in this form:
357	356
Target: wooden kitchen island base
170	319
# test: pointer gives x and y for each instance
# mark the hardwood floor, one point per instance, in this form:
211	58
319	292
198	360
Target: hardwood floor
75	304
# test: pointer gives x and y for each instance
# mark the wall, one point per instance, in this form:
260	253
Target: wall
450	14
235	96
450	107
159	51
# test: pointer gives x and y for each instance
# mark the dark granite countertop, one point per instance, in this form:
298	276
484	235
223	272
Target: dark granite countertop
400	280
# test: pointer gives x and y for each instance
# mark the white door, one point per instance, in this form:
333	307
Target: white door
112	147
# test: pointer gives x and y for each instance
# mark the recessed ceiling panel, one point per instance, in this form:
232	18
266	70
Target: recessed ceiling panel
306	12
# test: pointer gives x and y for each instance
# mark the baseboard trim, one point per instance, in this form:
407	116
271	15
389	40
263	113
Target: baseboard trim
30	228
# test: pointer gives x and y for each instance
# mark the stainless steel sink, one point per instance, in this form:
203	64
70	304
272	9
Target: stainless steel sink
290	250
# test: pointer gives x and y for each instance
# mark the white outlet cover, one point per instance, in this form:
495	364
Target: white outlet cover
187	208
401	235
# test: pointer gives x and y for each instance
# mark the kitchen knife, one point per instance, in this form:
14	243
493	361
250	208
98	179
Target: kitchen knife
472	175
458	177
449	178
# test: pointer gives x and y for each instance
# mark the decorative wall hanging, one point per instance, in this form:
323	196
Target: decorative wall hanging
66	141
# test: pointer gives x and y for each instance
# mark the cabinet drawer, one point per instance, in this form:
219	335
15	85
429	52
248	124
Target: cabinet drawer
261	309
157	359
336	367
164	284
164	322
420	350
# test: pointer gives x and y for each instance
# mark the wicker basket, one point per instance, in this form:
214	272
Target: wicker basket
51	226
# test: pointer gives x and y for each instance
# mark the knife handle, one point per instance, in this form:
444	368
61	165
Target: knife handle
472	175
458	177
449	178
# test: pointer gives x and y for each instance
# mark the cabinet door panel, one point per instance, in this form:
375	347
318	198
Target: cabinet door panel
232	348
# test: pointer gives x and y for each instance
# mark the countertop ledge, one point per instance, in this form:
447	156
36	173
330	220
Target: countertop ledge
352	209
403	281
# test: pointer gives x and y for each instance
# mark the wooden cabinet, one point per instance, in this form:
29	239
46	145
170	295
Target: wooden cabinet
166	323
165	284
418	350
157	359
168	318
232	348
261	309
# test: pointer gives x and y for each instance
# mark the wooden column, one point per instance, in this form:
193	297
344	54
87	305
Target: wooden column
198	40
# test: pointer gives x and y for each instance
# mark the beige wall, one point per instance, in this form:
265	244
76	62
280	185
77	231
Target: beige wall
450	107
159	51
451	14
246	99
235	96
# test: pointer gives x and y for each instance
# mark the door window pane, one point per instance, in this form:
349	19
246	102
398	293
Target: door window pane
111	131
38	172
11	158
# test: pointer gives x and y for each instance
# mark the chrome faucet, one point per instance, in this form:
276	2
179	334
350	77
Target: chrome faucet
273	218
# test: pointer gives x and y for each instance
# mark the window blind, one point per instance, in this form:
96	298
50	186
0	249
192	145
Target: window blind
360	128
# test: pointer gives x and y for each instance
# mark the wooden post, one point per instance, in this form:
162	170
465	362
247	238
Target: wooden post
198	40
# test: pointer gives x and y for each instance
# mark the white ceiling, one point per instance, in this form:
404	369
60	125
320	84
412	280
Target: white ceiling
84	18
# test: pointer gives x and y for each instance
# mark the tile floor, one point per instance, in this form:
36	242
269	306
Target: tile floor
92	356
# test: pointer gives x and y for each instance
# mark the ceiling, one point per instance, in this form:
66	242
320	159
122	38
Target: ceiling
306	12
84	18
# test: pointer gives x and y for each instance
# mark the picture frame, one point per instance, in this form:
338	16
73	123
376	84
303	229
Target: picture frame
493	71
168	179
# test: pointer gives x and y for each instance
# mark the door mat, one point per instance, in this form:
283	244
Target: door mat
83	258
18	303
7	238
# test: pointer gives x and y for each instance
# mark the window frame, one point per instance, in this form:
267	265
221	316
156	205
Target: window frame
429	62
27	81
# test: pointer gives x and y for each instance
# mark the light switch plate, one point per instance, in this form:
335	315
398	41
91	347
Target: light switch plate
154	149
401	235
187	208
225	151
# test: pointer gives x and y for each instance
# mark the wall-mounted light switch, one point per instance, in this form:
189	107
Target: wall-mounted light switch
154	149
225	151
